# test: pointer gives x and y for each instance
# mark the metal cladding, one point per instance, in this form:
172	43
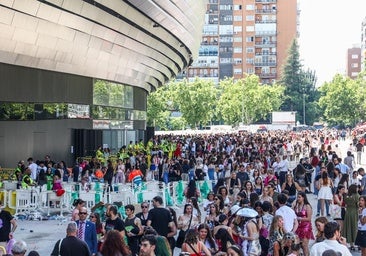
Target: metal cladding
142	43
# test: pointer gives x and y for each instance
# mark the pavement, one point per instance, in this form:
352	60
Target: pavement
41	235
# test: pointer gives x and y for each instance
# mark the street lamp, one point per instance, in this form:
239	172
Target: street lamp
303	106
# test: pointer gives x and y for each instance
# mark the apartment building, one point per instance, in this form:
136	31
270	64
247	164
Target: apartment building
353	62
246	37
363	43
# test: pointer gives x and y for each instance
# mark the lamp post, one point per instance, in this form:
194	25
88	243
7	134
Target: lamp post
303	106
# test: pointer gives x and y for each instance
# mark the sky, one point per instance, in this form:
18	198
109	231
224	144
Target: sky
327	29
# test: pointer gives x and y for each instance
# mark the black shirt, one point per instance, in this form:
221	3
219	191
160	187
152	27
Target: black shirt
71	246
116	224
5	225
160	219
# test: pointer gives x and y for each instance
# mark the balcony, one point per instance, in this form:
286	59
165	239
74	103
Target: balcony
265	33
265	64
267	75
265	21
265	53
272	11
266	1
265	45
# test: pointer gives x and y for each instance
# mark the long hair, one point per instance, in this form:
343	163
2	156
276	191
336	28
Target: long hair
323	220
209	237
274	225
223	235
303	195
325	178
113	244
191	237
191	191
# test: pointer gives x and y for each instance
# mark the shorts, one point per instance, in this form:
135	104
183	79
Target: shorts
361	238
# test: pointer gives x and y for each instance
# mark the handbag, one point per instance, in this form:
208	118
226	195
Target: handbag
182	234
335	211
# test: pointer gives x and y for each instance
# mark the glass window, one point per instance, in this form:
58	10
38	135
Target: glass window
112	94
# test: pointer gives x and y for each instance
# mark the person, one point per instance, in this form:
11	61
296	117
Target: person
361	232
319	224
136	176
234	250
333	240
223	223
338	199
133	229
95	218
7	227
193	245
114	245
289	216
205	236
87	231
185	222
19	248
160	218
27	181
304	214
143	215
78	204
71	245
33	253
114	222
162	247
211	217
148	244
350	217
276	233
292	187
250	237
325	194
224	240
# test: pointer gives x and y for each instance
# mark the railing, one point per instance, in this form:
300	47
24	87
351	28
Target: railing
265	21
266	45
266	1
267	75
265	33
264	54
265	64
266	11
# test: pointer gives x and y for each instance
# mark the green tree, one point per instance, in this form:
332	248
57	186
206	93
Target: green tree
157	108
299	87
196	101
247	101
341	101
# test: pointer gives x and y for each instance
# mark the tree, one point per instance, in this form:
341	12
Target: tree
196	101
246	100
341	101
299	86
157	108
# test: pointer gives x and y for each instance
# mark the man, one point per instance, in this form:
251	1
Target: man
19	248
133	229
7	225
33	167
71	245
160	219
342	167
148	244
283	168
288	215
359	149
333	240
87	231
361	172
349	161
27	181
113	222
242	175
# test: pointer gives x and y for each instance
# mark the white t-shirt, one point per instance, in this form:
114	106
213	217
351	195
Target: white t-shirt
288	216
360	226
318	248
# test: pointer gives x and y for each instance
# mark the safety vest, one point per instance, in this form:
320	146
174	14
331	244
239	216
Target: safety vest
24	183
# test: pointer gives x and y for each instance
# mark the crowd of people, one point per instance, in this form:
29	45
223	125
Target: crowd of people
247	171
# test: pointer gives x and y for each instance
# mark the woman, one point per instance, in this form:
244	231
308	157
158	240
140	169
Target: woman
212	216
337	177
196	209
248	189
250	237
225	195
234	250
208	201
193	245
344	181
276	233
95	218
191	190
224	240
338	200
265	196
234	185
114	245
319	224
206	238
108	176
220	203
258	185
186	222
165	174
304	213
325	194
78	204
270	178
223	223
120	174
292	187
350	218
361	233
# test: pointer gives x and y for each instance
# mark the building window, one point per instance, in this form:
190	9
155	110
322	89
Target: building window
249	39
238	39
225	60
354	56
237	61
353	74
250	50
238	50
238	18
250	70
250	7
249	18
238	29
237	7
354	65
250	60
226	7
238	71
249	29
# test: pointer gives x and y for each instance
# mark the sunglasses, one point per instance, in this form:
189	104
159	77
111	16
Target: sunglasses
92	217
84	213
144	206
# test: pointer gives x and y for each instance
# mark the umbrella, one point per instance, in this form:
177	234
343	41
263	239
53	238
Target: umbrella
247	212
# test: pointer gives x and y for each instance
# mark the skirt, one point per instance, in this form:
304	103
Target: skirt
325	192
361	238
